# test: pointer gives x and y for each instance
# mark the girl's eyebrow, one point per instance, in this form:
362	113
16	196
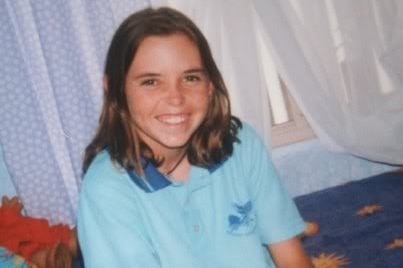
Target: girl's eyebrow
195	70
143	75
150	74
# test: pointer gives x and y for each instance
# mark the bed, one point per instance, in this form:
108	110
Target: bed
360	223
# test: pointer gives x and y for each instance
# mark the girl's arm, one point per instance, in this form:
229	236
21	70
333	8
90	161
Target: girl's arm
290	254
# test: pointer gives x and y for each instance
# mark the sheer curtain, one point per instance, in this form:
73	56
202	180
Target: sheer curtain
51	61
229	27
343	63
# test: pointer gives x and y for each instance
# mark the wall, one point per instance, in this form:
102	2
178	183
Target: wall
306	166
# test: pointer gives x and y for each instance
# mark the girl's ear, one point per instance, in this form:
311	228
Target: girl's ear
105	81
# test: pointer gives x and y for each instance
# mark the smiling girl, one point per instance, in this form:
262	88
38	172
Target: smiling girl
171	178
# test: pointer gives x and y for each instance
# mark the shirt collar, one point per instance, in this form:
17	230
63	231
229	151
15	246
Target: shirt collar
153	180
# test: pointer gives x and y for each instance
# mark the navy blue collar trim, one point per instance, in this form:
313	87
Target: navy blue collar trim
155	180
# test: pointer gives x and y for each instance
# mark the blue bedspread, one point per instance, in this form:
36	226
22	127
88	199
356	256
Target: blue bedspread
361	223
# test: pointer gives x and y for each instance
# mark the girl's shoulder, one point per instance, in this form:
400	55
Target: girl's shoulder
104	173
248	138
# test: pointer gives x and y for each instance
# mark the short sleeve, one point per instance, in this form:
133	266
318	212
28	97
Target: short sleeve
109	226
277	216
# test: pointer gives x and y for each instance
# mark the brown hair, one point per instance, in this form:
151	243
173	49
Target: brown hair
211	143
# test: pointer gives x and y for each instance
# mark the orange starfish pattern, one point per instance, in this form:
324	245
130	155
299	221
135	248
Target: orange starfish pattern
329	261
369	210
396	243
311	228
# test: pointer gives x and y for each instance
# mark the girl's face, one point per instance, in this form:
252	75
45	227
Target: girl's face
168	91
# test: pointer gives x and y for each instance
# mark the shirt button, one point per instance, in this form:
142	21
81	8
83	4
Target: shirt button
196	228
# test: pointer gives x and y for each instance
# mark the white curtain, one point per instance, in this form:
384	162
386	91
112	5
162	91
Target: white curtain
229	26
343	62
51	63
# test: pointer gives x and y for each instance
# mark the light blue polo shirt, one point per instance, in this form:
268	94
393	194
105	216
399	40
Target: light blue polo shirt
221	217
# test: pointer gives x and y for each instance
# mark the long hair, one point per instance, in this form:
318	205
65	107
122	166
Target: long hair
211	143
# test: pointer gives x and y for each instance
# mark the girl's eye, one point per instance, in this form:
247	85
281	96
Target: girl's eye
192	78
149	82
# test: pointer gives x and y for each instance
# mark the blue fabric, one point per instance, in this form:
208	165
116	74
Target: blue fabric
155	180
215	219
51	62
7	187
10	260
350	229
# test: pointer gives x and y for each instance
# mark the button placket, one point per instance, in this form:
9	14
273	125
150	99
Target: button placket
196	228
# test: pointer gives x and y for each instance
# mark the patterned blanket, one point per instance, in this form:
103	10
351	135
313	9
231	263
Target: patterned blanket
360	223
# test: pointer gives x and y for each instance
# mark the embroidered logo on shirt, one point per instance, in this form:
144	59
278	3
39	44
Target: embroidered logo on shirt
244	221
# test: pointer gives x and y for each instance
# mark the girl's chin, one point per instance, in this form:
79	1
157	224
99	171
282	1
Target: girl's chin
161	144
175	144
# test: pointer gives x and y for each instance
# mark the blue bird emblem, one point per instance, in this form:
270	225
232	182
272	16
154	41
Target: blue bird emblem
244	221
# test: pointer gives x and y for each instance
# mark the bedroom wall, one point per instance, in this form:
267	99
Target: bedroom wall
306	167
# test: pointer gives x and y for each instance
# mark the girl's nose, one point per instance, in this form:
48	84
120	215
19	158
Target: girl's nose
175	94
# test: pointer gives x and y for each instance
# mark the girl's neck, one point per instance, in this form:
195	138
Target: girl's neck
181	172
176	165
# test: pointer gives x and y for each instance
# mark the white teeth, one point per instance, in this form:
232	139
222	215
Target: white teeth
172	119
